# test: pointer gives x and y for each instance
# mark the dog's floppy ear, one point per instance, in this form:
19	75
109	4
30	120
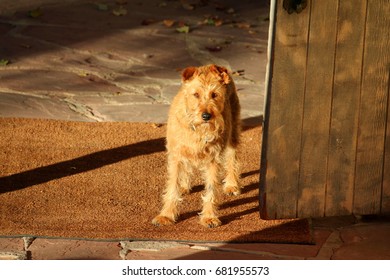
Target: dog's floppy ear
188	73
222	72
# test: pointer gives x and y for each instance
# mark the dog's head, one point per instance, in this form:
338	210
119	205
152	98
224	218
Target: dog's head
205	94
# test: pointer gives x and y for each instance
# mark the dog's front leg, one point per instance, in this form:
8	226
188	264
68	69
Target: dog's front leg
208	216
172	194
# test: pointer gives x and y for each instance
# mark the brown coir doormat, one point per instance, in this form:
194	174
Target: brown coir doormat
104	181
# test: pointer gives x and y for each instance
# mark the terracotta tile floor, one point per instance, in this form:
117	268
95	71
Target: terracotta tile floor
335	238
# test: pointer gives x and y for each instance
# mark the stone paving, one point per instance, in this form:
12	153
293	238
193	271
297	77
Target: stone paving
78	60
336	238
121	61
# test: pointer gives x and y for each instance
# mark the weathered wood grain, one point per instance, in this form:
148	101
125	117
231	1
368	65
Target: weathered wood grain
326	137
284	120
317	108
373	110
385	207
345	107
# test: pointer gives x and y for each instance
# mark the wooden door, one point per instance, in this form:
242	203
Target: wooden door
326	136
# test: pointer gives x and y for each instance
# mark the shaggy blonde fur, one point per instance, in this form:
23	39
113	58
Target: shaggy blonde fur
203	132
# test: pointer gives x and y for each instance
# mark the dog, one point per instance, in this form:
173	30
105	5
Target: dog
203	131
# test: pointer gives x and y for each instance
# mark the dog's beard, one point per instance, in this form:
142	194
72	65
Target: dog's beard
210	130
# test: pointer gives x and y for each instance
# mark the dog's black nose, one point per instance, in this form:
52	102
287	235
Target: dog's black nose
206	116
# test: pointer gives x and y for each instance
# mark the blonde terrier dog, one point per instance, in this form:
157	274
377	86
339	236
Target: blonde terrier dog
203	132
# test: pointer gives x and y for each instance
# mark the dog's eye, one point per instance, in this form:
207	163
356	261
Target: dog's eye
196	95
214	95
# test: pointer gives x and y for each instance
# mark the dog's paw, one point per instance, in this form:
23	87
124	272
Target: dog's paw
210	222
232	190
162	221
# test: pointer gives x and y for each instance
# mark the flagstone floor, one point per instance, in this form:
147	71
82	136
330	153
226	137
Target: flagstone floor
101	61
336	238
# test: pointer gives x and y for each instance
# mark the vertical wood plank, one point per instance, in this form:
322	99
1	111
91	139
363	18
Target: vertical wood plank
317	105
279	183
345	107
373	110
385	207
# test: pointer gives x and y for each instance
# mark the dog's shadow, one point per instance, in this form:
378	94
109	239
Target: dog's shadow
232	205
199	187
249	192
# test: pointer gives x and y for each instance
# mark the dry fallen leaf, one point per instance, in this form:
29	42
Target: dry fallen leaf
222	7
82	73
101	6
213	20
230	11
218	22
214	48
187	6
4	62
208	21
243	25
168	22
238	73
35	13
119	11
183	29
